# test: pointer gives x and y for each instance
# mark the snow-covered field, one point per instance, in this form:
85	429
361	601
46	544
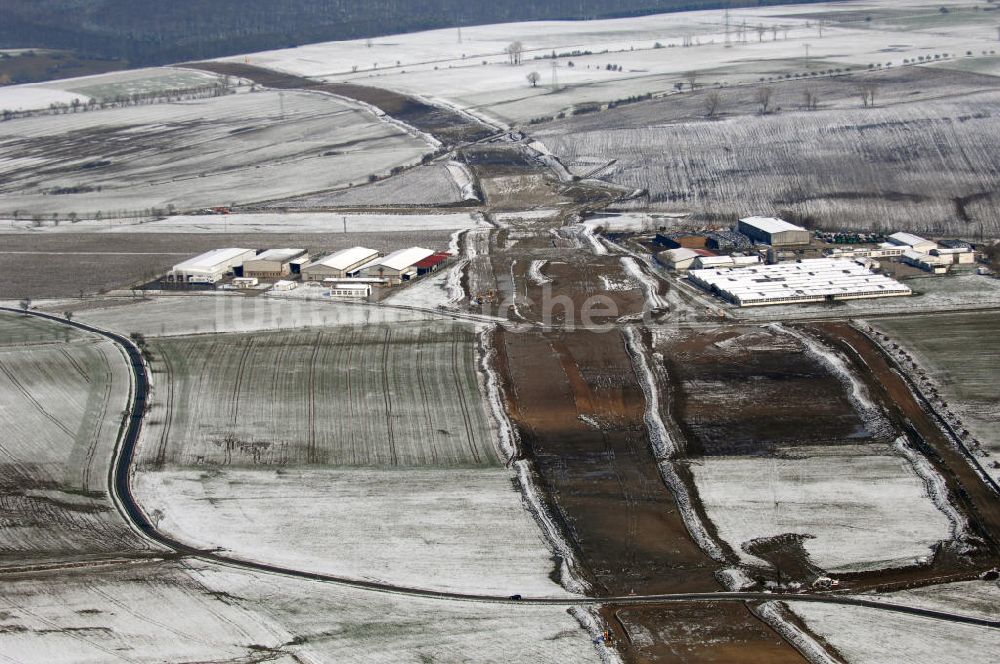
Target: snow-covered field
860	510
840	168
198	612
25	98
978	598
446	529
871	636
372	395
176	315
430	184
966	379
162	80
430	292
61	397
271	222
192	154
438	64
157	80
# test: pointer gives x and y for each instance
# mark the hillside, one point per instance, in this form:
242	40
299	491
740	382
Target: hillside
144	32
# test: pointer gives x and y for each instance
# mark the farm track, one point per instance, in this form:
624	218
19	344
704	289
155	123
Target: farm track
388	401
311	455
446	125
98	421
120	484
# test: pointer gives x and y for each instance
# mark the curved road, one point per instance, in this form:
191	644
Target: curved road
119	482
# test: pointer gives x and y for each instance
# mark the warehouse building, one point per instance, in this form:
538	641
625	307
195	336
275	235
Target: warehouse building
914	242
431	263
211	266
882	251
272	264
677	259
956	255
397	267
928	263
775	232
703	262
810	280
340	264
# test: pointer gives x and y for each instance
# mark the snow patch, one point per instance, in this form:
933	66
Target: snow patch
773	613
936	486
648	284
588	619
463	180
568	576
535	273
735	579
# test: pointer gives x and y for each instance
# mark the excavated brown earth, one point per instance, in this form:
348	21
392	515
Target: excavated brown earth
603	483
448	126
744	391
737	391
579	407
696	632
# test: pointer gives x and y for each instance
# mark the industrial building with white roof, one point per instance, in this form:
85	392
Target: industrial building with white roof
809	280
339	264
775	232
211	266
397	266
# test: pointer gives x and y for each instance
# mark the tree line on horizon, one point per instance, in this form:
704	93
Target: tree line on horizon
143	32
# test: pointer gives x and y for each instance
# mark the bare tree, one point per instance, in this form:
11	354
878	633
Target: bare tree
25	304
515	52
810	99
867	92
68	315
533	78
763	98
692	80
713	101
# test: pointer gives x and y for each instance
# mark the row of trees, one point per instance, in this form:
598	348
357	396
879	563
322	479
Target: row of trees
763	99
78	105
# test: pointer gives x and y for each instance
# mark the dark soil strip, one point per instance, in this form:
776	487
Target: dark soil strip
448	126
706	632
602	483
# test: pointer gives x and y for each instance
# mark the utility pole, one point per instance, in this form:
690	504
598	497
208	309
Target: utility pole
807	55
727	23
555	77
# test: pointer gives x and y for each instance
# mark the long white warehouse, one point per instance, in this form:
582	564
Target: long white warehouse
211	266
810	280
